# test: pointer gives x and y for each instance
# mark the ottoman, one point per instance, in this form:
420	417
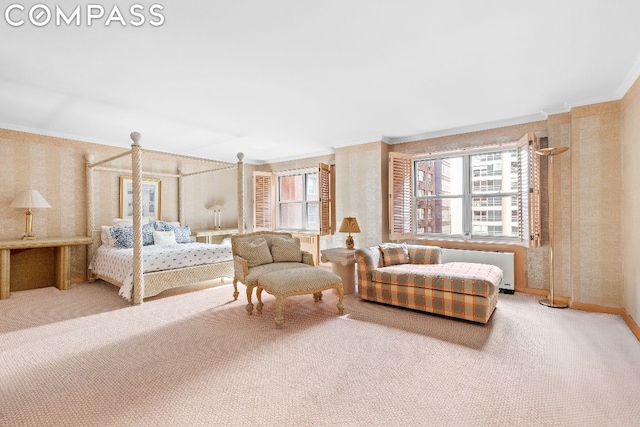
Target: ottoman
285	283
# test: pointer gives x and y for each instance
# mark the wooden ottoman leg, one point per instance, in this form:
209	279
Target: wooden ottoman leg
340	290
235	288
279	316
317	296
249	306
259	296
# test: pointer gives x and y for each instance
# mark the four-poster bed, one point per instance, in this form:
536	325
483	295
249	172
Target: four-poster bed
139	277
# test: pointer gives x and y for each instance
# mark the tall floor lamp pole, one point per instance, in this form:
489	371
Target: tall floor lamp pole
551	153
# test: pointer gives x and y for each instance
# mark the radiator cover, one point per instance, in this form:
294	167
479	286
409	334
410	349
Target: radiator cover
503	260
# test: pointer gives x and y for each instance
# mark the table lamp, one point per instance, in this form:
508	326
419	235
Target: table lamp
29	199
349	225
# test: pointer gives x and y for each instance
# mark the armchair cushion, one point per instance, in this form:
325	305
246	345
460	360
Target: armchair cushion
286	250
256	252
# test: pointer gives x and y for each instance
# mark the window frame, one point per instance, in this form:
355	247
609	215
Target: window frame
304	202
265	199
467	195
402	210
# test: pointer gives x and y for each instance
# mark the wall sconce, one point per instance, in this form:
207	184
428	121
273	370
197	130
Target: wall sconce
29	199
349	225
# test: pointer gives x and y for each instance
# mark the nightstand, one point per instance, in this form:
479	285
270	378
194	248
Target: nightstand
213	236
343	263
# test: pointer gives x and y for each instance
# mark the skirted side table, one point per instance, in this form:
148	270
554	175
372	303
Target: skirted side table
343	263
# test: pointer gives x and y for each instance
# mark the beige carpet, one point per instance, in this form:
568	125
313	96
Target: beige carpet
86	357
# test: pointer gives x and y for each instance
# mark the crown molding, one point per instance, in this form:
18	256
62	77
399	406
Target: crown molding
630	79
466	129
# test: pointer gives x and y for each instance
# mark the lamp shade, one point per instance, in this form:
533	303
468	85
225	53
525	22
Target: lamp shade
349	225
30	199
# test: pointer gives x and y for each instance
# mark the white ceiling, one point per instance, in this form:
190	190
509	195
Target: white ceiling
284	79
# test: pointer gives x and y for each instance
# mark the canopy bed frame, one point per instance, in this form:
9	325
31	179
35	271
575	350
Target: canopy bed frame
152	283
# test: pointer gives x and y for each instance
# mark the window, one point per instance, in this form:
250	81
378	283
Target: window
300	201
482	195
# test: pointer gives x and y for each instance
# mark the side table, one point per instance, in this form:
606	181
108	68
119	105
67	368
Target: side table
343	263
213	236
62	247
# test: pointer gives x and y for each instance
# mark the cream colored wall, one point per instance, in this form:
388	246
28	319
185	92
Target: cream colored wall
630	229
596	211
559	129
361	191
56	168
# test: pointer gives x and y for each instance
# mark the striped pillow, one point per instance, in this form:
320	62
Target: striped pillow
393	254
286	250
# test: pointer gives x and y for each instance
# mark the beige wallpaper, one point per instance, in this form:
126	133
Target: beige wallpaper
630	208
596	261
56	168
595	213
361	191
559	127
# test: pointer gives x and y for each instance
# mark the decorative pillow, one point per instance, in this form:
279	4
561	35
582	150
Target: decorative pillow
164	238
105	236
147	234
183	234
255	252
165	225
123	236
394	254
286	250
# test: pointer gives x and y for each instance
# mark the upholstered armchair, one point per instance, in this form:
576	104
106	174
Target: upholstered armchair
251	260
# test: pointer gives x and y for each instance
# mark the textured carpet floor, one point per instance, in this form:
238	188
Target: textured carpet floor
86	357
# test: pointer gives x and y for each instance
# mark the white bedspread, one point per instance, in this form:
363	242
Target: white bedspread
117	263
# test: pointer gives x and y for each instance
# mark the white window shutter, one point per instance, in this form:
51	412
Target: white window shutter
327	206
400	196
263	201
529	221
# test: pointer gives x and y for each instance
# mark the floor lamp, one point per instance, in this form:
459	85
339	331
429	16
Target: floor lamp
551	153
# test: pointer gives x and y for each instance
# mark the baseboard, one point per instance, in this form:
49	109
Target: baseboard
631	323
635	329
541	292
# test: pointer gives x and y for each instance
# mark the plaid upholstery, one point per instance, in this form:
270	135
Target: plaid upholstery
468	307
424	254
459	277
394	254
463	290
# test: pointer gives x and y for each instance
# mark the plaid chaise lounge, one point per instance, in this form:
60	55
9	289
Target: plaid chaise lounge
413	276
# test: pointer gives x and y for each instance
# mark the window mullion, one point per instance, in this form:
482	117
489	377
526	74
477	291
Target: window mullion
304	201
467	208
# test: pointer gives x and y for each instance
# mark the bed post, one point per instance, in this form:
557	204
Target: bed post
90	210
136	176
240	194
181	218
